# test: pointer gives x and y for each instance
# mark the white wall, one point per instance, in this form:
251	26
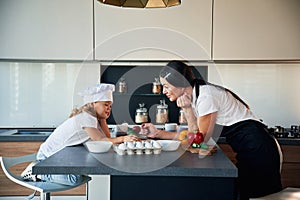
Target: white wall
271	90
42	94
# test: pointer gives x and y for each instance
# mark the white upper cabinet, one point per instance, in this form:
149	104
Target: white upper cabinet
179	32
256	30
40	29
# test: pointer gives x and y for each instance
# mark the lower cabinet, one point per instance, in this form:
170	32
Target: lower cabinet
290	173
9	188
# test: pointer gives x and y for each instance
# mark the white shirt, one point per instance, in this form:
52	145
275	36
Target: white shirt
69	133
229	109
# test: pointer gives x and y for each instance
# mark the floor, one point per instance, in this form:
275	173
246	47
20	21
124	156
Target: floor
52	198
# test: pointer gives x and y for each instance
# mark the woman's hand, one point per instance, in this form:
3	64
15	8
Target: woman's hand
150	130
184	100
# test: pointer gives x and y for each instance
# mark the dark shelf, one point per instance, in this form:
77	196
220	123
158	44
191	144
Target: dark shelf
139	81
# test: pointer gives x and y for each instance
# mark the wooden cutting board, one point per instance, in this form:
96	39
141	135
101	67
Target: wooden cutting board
210	151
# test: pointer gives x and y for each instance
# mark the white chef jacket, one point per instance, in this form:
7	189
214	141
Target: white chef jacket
213	99
69	133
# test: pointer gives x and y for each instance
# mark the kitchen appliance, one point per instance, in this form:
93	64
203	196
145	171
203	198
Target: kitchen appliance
281	132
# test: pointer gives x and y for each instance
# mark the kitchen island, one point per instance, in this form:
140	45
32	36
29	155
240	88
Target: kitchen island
21	144
211	177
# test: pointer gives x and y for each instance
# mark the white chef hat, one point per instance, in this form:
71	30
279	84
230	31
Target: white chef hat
99	92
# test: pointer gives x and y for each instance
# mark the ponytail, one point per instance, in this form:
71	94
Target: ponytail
197	82
237	97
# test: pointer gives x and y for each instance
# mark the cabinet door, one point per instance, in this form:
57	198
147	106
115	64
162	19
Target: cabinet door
56	29
182	31
253	30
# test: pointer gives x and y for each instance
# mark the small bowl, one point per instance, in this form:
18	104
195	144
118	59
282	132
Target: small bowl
169	145
98	146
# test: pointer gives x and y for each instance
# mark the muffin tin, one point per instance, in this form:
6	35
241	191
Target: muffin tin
146	147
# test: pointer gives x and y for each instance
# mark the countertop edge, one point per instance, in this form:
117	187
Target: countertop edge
221	140
91	165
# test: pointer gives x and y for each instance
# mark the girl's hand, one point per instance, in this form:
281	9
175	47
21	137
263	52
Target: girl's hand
150	130
130	138
184	101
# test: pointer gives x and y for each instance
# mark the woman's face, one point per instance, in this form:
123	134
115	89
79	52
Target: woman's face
171	91
103	109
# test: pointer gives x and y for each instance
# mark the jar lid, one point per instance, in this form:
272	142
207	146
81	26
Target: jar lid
141	110
156	82
162	106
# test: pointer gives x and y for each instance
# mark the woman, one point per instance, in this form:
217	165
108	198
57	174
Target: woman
208	107
86	123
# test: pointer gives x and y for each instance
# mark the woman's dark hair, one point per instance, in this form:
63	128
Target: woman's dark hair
179	74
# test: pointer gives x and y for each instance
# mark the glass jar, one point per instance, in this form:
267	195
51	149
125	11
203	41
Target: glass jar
122	87
156	86
141	114
181	118
162	113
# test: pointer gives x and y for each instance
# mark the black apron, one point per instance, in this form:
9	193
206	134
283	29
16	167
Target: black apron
258	159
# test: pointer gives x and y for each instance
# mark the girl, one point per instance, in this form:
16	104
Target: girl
86	123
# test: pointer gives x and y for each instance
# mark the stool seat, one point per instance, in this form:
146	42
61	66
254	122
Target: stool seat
288	193
43	187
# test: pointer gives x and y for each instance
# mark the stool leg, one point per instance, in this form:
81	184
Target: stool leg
45	195
87	190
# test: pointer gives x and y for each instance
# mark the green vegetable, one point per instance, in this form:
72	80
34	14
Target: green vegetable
130	131
203	145
194	145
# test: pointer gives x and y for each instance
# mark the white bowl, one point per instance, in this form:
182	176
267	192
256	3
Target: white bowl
98	146
169	145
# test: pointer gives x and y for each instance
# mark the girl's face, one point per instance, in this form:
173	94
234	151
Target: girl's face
103	109
171	91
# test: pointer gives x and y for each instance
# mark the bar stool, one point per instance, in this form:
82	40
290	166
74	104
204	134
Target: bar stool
45	188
